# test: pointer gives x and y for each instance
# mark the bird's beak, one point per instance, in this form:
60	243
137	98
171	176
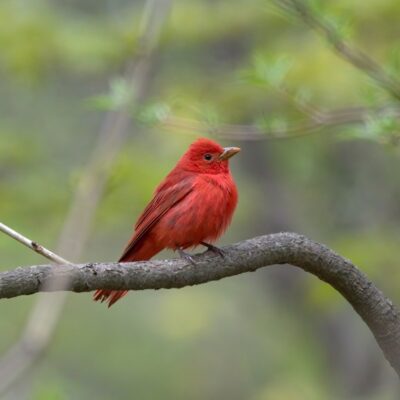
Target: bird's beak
228	153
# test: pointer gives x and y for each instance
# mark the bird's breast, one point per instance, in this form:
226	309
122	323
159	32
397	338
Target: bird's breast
203	215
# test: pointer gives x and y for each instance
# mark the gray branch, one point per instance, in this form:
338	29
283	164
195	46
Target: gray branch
378	312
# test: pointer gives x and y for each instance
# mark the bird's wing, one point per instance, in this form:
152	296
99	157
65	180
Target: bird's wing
162	201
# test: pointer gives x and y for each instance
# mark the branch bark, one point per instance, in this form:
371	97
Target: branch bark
378	312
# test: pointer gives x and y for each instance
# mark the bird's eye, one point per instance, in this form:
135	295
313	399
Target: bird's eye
207	156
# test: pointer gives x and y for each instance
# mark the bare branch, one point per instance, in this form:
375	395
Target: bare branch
349	53
305	107
38	248
381	316
323	119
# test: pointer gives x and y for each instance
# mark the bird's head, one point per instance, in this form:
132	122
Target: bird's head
208	157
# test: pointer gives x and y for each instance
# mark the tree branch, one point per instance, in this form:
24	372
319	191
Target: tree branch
326	119
381	316
356	57
35	246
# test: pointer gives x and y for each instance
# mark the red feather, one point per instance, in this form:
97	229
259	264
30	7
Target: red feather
194	204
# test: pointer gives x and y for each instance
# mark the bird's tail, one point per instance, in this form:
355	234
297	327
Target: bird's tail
144	251
111	296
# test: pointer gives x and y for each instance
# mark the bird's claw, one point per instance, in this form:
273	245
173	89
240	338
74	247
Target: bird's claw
186	256
214	249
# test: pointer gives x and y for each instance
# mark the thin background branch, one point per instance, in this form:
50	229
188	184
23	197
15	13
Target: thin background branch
316	119
326	119
354	56
114	130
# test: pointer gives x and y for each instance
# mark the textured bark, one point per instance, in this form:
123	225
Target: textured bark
374	308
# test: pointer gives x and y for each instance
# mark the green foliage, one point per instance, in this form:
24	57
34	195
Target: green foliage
267	72
118	97
382	129
153	113
341	25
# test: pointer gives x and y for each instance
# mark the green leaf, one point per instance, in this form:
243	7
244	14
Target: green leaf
342	26
119	96
268	72
153	113
382	129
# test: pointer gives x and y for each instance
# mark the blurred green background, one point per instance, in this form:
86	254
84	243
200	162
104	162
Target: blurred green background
277	334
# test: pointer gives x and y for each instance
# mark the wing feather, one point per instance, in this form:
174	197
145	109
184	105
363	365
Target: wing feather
162	202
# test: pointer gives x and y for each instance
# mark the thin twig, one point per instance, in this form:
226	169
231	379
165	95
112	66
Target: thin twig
38	248
305	107
324	119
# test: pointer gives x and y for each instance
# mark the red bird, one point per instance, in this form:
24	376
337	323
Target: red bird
193	205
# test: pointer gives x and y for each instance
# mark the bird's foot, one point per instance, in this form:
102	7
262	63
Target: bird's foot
186	256
214	249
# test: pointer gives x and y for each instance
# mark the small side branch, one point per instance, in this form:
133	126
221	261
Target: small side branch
38	248
378	312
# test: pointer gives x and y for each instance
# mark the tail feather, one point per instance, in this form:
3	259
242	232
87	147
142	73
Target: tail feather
143	251
110	296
